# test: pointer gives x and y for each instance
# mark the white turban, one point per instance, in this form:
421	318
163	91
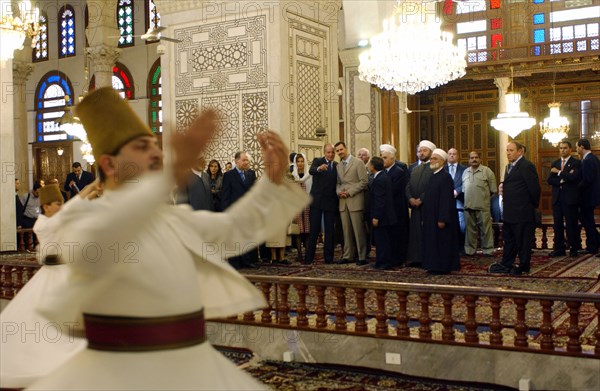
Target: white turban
387	148
441	153
427	144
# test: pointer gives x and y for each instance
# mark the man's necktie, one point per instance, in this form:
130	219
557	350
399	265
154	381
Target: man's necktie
562	164
509	168
329	166
452	170
345	165
243	176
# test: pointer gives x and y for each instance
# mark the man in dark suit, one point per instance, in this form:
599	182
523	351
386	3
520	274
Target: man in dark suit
197	190
455	169
496	204
236	182
589	190
18	204
521	198
398	178
324	205
77	180
564	178
383	216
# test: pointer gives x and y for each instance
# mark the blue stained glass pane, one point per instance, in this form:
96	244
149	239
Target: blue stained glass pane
539	18
537	51
539	35
40	138
54	79
42	90
538	1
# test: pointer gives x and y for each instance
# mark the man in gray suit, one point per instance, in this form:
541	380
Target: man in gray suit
351	185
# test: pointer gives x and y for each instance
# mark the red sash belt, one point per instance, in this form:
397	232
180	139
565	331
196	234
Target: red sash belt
130	334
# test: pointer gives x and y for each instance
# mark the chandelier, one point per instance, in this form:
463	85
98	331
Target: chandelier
14	29
512	121
412	54
554	128
70	124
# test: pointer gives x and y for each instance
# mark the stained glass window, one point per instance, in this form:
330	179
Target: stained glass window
50	105
66	31
155	96
40	51
152	15
122	82
125	22
496	24
539	18
494	4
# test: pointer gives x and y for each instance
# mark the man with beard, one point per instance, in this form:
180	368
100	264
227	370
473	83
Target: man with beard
158	269
415	191
478	183
440	220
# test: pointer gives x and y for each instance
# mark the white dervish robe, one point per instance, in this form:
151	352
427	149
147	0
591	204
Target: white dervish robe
31	346
133	255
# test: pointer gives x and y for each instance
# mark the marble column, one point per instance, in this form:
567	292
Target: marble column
502	83
8	226
103	59
361	106
103	37
21	71
402	145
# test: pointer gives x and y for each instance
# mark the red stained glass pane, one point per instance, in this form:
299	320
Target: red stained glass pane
494	4
496	24
496	40
448	7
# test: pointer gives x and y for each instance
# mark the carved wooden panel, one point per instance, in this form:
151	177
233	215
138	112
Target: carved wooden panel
467	129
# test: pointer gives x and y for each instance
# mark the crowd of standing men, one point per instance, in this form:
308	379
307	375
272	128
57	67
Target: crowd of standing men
431	213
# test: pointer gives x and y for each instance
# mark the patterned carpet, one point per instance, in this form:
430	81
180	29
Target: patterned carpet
292	376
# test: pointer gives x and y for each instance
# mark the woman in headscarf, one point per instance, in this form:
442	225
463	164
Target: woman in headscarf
303	178
215	176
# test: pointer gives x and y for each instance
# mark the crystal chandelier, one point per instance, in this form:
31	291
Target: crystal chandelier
14	29
70	124
412	54
554	128
512	121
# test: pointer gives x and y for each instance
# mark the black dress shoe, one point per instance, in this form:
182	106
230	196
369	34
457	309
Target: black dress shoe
361	263
589	251
498	268
558	253
342	261
518	270
574	253
250	265
329	262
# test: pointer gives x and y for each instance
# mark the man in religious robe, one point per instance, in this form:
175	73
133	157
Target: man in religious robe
415	191
440	220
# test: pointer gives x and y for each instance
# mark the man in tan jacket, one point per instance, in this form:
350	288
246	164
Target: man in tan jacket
351	185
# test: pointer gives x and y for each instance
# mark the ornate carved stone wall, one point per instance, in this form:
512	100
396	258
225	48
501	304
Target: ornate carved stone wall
223	65
311	94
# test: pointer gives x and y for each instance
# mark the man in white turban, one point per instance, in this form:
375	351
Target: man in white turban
440	220
415	191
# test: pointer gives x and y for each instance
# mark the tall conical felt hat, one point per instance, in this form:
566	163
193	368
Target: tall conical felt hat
49	194
109	121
